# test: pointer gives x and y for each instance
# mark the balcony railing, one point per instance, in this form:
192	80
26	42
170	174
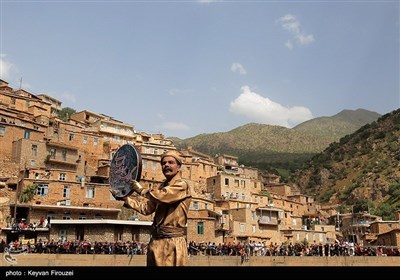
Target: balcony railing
268	221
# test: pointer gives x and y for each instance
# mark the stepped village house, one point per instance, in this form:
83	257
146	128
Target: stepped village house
54	185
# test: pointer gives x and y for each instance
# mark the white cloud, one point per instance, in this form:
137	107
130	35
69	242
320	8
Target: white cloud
291	24
289	44
7	69
174	126
206	1
179	92
238	68
171	125
263	110
9	73
69	97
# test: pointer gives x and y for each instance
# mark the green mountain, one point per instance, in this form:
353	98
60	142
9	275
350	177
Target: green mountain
361	171
279	149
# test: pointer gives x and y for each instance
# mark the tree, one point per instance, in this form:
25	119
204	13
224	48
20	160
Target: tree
65	113
28	193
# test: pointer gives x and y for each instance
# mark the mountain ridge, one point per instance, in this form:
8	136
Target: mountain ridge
361	171
276	147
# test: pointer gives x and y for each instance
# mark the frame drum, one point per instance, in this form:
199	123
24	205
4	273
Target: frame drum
125	166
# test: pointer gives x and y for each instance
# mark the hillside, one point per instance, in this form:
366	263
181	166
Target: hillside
361	170
343	123
274	147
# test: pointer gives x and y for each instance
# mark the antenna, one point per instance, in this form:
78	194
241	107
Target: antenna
20	83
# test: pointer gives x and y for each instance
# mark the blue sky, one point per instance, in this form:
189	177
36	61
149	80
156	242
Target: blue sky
182	68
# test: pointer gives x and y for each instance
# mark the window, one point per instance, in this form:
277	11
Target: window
82	216
27	134
53	152
33	162
66	216
90	192
2	130
195	205
62	234
200	228
253	228
50	215
243	196
242	227
205	206
147	150
119	234
64	154
156	151
95	141
13	100
71	137
42	190
85	139
62	177
144	164
154	166
66	191
34	150
226	181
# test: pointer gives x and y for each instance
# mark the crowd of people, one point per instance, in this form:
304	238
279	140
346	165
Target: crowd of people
74	247
252	248
23	225
245	250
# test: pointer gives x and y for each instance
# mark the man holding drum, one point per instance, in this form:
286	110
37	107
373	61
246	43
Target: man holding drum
170	204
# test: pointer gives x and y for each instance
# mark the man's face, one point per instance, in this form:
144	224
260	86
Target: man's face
169	167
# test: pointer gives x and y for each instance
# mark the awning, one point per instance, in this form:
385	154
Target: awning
82	208
100	222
